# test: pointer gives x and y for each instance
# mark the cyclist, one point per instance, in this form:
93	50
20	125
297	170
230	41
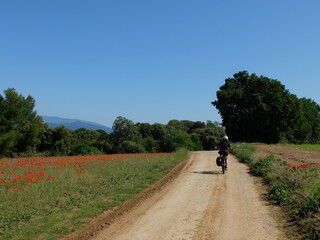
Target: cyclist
224	147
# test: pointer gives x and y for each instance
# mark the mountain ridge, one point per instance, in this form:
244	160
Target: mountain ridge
74	124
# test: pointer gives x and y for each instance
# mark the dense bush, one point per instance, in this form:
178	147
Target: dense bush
83	149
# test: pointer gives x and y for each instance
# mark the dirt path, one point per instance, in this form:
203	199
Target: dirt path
200	204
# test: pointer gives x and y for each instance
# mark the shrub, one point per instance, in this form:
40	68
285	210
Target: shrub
130	147
263	166
279	192
83	149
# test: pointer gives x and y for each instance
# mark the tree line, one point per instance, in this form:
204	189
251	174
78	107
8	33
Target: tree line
259	109
24	133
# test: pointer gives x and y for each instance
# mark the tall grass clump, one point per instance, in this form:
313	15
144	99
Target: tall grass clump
244	152
295	188
46	198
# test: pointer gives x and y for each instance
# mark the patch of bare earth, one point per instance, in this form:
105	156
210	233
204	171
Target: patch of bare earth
199	202
294	156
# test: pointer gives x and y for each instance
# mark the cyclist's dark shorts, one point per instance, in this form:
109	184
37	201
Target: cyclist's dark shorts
223	153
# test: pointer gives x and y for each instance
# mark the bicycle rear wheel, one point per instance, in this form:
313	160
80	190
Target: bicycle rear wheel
223	166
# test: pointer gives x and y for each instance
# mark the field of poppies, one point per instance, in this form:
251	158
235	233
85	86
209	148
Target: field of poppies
47	197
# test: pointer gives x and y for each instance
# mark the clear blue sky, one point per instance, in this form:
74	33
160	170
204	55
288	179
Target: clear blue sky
153	60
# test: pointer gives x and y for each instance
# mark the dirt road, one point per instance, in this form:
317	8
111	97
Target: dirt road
201	203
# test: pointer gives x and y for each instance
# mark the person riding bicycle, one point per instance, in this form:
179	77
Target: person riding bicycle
224	147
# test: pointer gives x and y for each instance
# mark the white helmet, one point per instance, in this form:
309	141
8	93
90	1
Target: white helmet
225	138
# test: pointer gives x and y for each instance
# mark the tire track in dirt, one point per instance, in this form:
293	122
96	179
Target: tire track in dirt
237	210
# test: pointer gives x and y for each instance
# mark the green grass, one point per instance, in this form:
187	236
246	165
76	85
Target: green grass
296	190
51	209
312	147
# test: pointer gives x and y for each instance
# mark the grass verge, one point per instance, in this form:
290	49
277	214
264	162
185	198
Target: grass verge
51	209
295	188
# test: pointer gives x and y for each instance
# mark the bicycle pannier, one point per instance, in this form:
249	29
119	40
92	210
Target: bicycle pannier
219	161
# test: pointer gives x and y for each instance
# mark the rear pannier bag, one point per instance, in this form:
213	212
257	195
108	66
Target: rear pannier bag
219	161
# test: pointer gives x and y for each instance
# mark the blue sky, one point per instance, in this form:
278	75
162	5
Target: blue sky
153	60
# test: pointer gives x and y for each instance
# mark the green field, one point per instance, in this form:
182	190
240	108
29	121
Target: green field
313	147
48	197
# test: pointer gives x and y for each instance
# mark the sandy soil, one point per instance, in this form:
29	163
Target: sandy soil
200	203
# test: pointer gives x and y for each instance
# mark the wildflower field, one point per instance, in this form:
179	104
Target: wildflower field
48	197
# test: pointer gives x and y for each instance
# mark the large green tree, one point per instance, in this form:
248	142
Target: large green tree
125	136
61	141
257	108
312	114
210	135
85	136
19	124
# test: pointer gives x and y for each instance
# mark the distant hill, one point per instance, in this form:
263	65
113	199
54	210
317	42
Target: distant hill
73	124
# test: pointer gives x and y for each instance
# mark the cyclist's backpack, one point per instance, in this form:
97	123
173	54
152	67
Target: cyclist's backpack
219	161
